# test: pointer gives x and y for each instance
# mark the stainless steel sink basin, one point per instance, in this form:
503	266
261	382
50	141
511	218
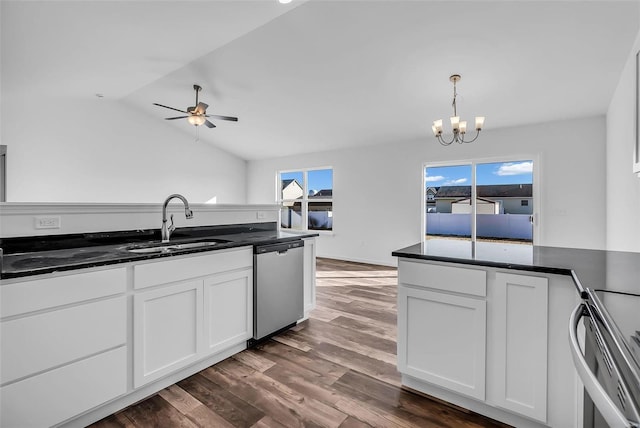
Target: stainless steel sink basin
167	248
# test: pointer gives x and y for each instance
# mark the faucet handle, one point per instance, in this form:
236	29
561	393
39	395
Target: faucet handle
171	227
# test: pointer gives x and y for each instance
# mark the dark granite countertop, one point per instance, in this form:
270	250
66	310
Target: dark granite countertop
28	256
594	269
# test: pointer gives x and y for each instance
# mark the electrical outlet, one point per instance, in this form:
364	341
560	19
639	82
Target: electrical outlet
261	215
47	222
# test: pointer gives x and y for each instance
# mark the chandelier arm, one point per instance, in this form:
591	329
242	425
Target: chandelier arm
443	142
474	139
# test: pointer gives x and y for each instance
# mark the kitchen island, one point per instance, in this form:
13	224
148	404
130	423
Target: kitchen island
113	317
485	325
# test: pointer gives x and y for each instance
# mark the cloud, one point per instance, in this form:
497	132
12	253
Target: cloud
455	182
433	178
511	168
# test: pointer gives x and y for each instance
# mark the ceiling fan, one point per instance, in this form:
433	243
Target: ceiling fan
197	115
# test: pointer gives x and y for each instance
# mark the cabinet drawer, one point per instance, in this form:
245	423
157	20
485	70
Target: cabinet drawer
21	297
446	278
176	269
60	394
40	342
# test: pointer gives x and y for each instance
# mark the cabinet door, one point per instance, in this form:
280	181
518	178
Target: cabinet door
519	343
309	270
228	310
167	330
441	339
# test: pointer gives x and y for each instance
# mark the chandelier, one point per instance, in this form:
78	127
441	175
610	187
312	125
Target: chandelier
459	127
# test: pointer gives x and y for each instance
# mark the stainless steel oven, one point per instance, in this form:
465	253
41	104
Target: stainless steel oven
608	361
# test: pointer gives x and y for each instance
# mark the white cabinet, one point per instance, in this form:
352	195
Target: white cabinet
490	341
206	308
441	339
63	346
167	330
309	272
228	309
519	343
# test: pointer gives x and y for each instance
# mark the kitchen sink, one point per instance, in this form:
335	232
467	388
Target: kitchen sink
168	247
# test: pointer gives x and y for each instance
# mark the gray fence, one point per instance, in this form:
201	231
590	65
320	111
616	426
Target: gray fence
318	220
499	226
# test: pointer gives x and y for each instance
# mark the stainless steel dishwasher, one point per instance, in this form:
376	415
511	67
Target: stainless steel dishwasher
277	288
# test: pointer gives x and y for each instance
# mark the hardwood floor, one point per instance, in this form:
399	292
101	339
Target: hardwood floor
337	369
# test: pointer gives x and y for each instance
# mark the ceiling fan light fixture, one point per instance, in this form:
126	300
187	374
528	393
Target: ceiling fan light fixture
196	120
197	114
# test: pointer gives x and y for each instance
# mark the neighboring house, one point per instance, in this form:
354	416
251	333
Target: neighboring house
483	206
324	193
430	197
511	198
291	189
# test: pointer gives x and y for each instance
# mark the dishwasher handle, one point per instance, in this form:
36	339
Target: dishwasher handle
600	398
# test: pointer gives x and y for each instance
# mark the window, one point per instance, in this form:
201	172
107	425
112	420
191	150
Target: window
480	201
306	199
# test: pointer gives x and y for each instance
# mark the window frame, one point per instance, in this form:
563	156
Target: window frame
305	200
537	224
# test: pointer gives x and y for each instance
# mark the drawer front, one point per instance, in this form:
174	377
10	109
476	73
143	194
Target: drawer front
176	269
36	343
22	297
55	396
446	278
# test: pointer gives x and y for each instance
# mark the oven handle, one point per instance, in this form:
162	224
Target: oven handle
605	405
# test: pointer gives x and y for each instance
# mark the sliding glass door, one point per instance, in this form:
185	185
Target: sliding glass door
480	201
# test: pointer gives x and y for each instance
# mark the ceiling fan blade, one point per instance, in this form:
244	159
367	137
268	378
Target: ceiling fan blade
177	117
209	124
235	119
171	108
201	108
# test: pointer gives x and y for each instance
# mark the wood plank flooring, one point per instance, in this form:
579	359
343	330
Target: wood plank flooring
337	369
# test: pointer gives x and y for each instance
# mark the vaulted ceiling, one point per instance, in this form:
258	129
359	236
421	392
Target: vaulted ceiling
320	75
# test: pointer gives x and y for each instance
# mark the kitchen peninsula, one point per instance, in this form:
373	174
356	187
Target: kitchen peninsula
113	314
485	325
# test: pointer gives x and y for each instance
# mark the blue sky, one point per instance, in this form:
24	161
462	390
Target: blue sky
519	172
319	179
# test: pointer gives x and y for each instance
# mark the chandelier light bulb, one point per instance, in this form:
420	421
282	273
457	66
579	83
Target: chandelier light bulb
455	122
437	127
459	127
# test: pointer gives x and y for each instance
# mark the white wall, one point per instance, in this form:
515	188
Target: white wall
100	150
623	187
19	219
378	190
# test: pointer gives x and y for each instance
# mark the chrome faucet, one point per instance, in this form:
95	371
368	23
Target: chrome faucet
166	231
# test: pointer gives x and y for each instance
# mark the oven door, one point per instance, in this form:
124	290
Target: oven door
607	400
